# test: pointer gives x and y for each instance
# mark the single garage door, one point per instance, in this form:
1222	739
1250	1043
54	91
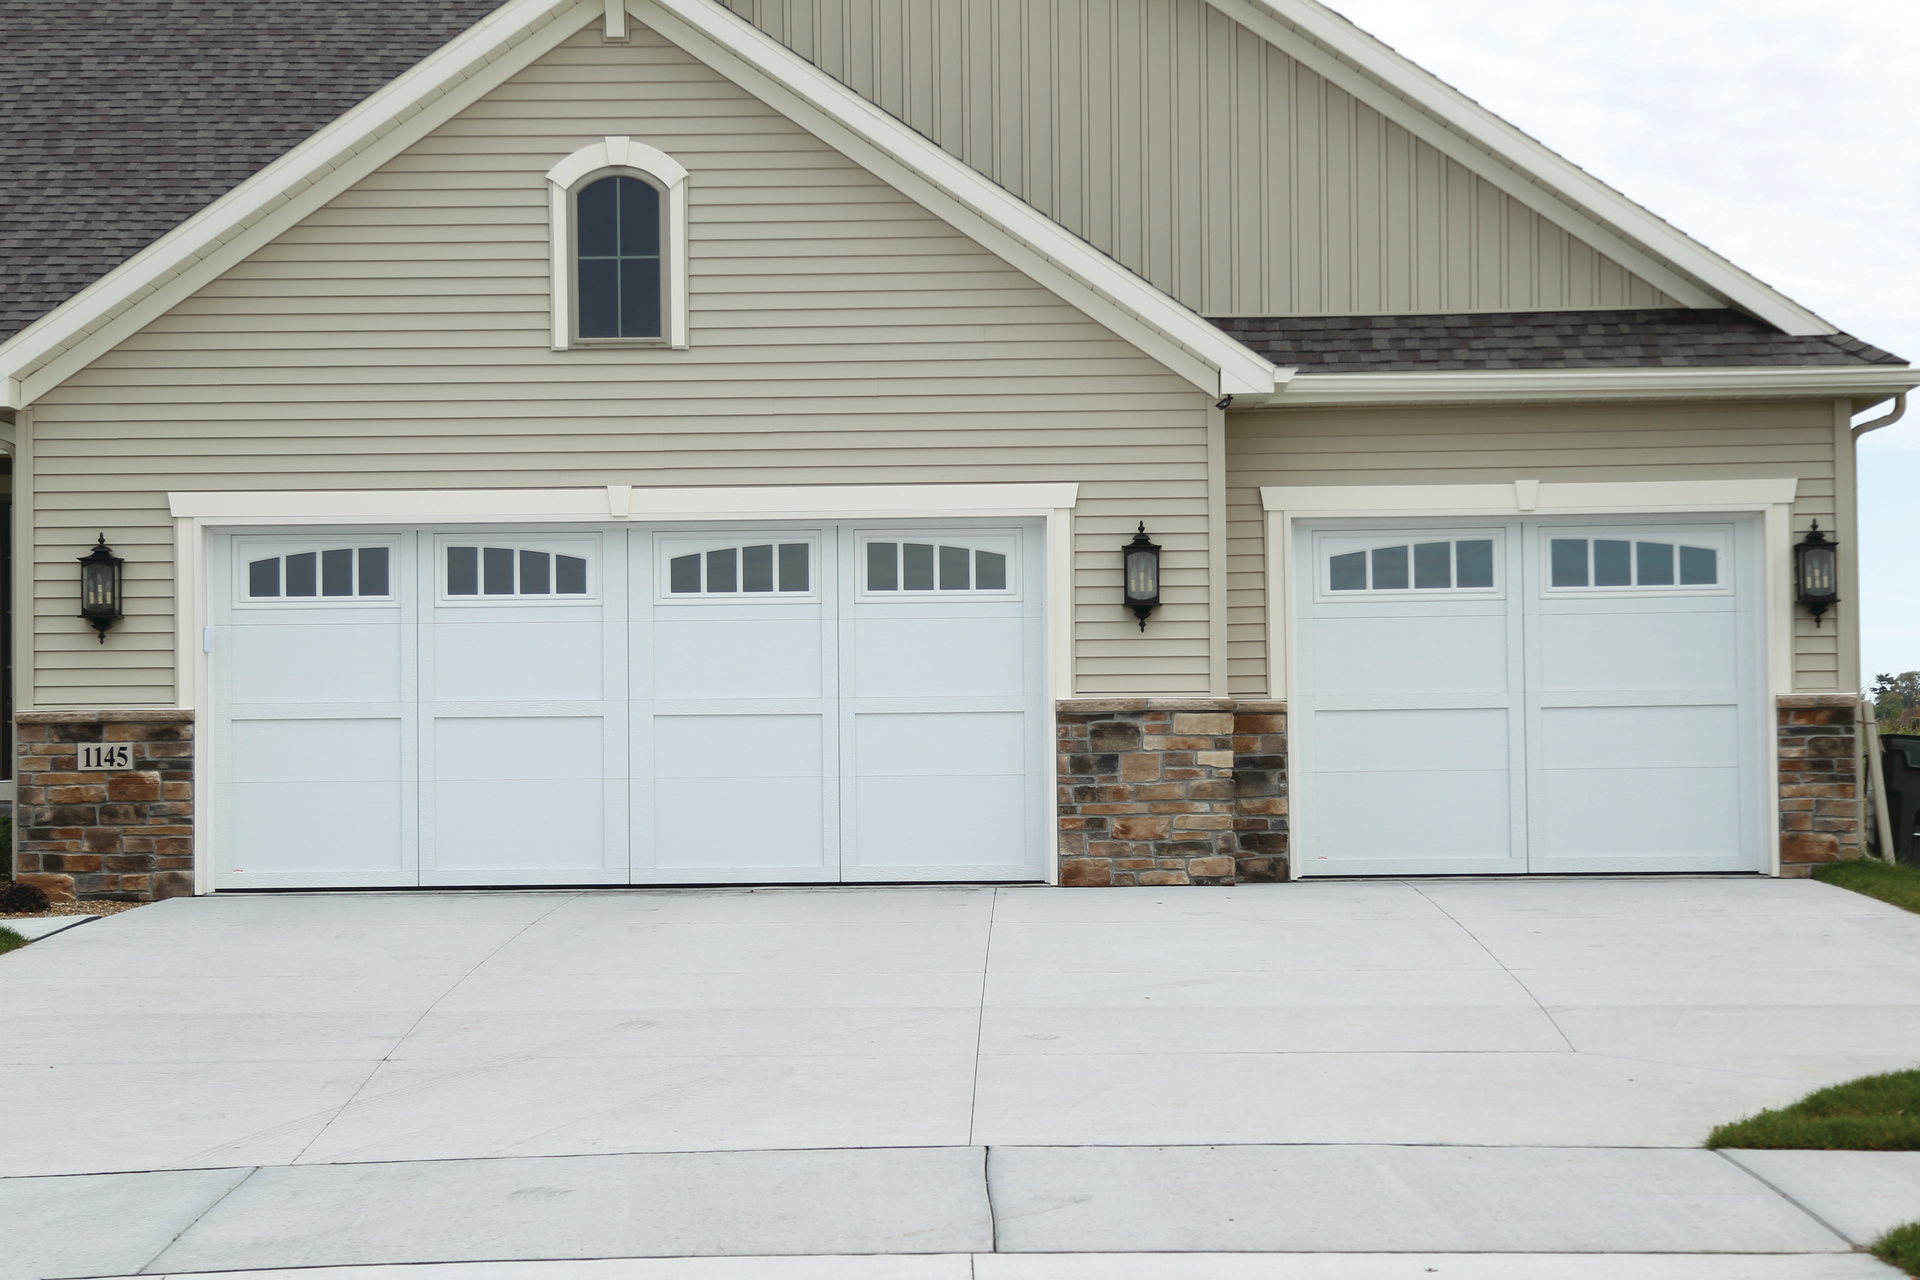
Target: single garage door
1567	695
519	706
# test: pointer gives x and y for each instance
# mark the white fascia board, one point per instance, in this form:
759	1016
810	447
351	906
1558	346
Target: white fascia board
1595	497
1031	242
1523	167
247	218
1480	386
618	502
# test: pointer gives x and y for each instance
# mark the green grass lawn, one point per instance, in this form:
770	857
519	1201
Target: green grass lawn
10	941
1873	1113
1900	1247
1899	885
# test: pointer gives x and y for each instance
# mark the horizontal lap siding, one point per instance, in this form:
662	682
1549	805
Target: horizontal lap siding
1590	443
399	339
1200	156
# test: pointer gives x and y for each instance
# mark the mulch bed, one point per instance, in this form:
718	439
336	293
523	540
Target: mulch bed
74	909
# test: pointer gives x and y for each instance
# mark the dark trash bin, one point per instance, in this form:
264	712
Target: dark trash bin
1900	759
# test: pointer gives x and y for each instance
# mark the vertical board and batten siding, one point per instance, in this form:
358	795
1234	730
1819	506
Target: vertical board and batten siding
1201	156
1496	445
398	338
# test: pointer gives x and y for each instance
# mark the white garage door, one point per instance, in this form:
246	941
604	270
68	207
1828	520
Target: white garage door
770	704
1535	695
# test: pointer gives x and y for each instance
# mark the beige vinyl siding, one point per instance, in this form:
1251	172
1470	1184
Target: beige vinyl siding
1201	156
1497	445
399	338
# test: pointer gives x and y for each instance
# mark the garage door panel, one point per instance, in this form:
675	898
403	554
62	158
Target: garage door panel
724	746
1641	814
304	661
1397	654
516	748
1671	737
556	827
940	744
519	661
1421	821
739	657
965	656
1412	740
316	750
765	825
332	829
954	821
1639	650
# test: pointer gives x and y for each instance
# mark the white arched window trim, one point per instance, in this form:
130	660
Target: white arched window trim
615	155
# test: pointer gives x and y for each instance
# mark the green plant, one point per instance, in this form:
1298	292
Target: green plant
1899	885
1896	702
1900	1247
10	941
1873	1113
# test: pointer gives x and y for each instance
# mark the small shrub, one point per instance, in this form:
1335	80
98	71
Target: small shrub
10	941
19	899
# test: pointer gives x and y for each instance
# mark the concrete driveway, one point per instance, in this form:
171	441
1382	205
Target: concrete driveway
1341	1079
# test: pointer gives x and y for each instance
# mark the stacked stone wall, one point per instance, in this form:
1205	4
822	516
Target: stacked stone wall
117	833
1150	791
1819	780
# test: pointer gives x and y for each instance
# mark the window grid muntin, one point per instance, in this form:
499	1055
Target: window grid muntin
1628	562
733	570
1468	565
650	265
319	574
480	571
895	567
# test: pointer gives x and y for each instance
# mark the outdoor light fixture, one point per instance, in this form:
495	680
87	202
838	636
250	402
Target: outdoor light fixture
1142	560
1816	572
100	587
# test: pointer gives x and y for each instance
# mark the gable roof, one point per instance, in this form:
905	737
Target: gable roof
126	117
300	181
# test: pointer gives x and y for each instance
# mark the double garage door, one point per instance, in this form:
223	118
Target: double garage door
569	705
1566	695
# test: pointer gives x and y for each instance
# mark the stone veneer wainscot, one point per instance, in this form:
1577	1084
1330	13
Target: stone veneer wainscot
1819	780
120	833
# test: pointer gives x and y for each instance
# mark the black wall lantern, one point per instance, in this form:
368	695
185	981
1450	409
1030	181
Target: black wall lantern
1142	560
100	587
1816	571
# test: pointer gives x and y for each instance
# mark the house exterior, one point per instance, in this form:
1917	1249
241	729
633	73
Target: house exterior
681	442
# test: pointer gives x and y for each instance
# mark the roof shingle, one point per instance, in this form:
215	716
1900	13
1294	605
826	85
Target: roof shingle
126	117
1673	337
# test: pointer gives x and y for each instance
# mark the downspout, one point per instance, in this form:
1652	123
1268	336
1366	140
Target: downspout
1876	771
1887	420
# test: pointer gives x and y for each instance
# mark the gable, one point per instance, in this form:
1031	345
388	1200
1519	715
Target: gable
1203	157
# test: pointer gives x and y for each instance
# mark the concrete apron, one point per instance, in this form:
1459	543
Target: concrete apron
1319	1079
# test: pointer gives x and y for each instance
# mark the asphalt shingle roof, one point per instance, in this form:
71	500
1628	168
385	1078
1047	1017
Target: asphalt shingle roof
123	118
1670	337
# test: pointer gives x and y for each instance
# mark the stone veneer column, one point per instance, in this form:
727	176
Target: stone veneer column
121	833
1150	791
1819	780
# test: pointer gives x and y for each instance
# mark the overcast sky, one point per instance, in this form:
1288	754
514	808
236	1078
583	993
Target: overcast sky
1779	132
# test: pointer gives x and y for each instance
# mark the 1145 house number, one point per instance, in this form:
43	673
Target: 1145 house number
106	755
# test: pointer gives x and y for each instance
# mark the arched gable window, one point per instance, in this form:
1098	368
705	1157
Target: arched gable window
619	247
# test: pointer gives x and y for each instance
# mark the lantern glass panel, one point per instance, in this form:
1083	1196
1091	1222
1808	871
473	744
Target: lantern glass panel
1818	574
100	587
1143	575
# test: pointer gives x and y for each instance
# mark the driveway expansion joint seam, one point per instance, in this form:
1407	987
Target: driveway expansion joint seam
1768	1184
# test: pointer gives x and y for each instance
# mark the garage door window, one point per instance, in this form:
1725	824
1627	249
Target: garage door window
764	568
1463	564
933	567
1622	562
333	573
513	571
